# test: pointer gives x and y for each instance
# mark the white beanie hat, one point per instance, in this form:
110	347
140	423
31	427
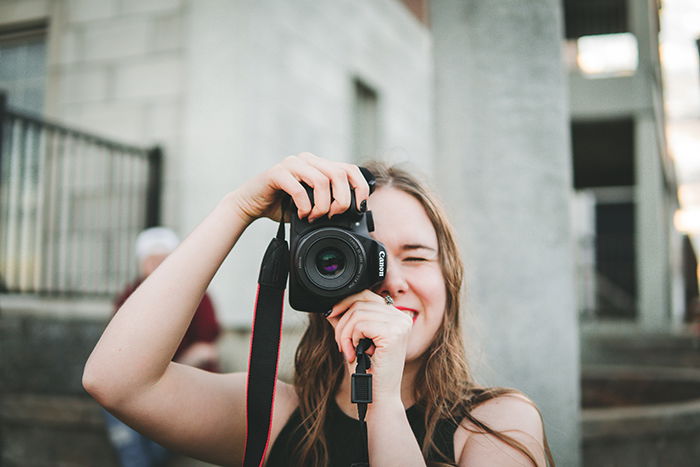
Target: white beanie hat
156	241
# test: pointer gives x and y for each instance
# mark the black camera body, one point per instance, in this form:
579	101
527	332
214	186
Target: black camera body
331	259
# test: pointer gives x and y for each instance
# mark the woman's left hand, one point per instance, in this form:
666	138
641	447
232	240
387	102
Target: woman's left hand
367	315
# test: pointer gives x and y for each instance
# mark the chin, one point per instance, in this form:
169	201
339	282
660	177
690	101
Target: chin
413	355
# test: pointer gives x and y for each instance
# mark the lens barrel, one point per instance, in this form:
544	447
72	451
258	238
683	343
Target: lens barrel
329	260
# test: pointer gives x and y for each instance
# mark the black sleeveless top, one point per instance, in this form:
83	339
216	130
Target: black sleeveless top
344	442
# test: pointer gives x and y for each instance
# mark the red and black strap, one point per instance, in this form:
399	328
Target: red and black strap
264	348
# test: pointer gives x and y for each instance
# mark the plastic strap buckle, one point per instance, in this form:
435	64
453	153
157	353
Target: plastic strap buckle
361	388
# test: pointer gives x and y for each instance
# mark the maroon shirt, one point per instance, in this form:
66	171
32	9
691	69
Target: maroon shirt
203	328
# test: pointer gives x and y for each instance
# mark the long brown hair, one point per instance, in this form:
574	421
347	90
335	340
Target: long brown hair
444	387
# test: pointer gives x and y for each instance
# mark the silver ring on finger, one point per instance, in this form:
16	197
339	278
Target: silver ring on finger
389	301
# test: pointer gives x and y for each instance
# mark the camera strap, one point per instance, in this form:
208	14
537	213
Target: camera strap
264	355
264	347
361	394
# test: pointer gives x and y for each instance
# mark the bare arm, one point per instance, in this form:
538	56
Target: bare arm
140	341
130	370
390	438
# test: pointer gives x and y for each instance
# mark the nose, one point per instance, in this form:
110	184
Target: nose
394	282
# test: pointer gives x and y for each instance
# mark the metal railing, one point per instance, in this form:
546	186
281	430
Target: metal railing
71	205
606	276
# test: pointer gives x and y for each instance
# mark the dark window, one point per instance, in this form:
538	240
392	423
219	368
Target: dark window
603	153
588	17
690	276
616	277
365	122
23	66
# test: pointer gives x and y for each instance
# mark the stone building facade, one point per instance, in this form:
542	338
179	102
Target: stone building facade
473	94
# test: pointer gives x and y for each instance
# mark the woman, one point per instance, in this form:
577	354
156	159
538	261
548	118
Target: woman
417	358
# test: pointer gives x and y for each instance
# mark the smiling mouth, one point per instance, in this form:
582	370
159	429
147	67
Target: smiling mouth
410	311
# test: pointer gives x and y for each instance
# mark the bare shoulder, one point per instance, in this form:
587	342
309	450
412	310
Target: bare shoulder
287	394
286	402
510	412
200	414
513	415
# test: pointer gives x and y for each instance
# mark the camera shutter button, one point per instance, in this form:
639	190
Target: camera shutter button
370	221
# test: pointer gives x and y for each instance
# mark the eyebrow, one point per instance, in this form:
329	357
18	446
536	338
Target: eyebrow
416	246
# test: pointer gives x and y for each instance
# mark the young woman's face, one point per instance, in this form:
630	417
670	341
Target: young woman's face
414	278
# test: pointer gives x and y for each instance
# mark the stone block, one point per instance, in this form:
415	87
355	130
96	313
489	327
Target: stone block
28	409
167	32
163	120
53	430
157	76
90	10
139	6
116	39
66	47
55	445
43	355
23	10
171	201
121	120
82	84
61	431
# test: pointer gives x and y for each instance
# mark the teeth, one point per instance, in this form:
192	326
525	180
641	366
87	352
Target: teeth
410	313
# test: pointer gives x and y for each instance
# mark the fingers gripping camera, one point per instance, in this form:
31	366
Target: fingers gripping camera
333	258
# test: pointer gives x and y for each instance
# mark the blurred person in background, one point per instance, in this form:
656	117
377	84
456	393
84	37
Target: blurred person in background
197	349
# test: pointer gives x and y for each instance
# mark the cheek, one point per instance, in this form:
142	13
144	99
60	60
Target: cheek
430	287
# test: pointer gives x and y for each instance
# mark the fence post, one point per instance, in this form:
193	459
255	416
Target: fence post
3	118
3	111
155	185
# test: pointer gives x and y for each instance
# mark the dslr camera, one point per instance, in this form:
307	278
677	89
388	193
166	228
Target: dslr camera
333	258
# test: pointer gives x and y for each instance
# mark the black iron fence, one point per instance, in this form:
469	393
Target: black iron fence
71	205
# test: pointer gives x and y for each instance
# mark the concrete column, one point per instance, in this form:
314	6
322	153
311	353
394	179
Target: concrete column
652	237
652	216
504	162
643	24
677	303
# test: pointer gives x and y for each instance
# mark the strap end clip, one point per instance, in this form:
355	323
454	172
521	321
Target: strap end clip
361	388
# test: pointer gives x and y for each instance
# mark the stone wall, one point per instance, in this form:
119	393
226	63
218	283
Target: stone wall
230	88
46	418
269	78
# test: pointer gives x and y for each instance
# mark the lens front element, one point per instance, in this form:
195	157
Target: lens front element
330	262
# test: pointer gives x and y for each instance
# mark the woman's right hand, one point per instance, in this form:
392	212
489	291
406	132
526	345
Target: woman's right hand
331	181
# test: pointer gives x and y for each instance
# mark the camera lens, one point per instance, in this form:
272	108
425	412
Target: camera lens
330	262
